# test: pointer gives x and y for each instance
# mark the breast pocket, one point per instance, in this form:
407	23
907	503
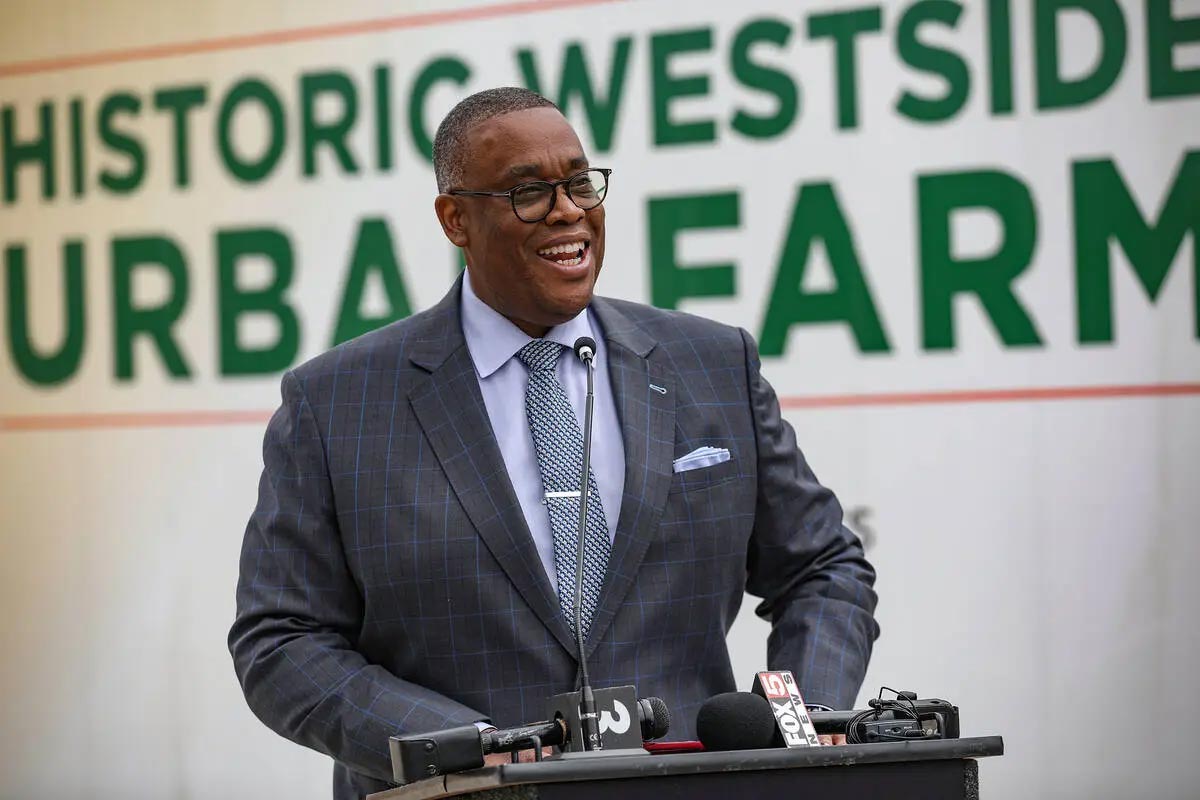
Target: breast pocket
707	519
704	477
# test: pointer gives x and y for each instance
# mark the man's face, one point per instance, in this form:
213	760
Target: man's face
510	261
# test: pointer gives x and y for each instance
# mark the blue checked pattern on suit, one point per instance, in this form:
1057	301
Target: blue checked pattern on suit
559	445
389	582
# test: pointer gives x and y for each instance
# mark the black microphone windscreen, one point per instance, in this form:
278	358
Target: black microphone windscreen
585	348
736	721
656	718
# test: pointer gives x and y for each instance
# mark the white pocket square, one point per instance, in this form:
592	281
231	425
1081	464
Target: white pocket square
699	458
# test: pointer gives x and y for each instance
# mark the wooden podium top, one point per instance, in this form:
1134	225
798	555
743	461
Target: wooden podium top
556	770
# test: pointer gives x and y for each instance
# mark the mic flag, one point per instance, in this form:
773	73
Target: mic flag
793	724
624	720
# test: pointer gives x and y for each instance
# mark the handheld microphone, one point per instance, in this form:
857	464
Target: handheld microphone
537	735
426	755
585	349
736	721
937	715
655	718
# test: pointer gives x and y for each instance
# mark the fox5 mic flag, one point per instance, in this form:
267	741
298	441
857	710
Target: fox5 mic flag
791	716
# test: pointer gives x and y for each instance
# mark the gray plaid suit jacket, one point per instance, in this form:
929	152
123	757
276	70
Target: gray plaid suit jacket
389	582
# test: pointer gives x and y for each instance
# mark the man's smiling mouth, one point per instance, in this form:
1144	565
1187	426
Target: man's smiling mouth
569	254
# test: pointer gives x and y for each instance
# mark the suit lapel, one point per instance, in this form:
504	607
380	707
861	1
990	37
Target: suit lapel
647	417
449	408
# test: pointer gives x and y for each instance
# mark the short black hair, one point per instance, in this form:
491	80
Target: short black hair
451	140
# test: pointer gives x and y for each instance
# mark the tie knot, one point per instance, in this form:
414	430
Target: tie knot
540	355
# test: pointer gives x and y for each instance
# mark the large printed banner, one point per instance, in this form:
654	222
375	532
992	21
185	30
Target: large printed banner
962	232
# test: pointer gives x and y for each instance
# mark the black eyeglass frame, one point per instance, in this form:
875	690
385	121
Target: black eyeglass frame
553	193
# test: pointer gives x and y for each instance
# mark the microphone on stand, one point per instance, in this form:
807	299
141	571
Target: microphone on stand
579	708
585	349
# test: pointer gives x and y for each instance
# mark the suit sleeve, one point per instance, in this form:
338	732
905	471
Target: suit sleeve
299	611
808	568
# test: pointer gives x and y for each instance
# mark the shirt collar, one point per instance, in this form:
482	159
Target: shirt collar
492	339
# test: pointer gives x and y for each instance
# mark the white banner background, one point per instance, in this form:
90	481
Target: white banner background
1036	558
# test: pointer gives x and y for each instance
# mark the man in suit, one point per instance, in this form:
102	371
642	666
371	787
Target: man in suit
410	561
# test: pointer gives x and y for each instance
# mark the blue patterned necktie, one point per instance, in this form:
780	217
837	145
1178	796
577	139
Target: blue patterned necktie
559	445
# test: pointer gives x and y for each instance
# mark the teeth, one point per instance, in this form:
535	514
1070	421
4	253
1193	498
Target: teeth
570	247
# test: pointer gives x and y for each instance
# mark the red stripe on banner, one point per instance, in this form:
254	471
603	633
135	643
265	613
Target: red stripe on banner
964	396
196	419
307	34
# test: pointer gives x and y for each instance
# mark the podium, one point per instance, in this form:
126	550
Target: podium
898	771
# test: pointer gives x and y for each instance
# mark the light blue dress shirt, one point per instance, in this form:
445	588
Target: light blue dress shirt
493	342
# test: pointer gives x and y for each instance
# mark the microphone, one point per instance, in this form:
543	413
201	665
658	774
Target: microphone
794	728
772	715
655	718
585	349
626	722
736	721
508	740
425	755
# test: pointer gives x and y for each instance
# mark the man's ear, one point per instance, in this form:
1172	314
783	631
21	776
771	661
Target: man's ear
450	214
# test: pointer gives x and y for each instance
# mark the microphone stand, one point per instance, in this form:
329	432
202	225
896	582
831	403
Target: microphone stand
588	718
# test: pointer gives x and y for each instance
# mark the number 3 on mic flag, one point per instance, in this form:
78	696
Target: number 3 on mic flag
617	721
791	716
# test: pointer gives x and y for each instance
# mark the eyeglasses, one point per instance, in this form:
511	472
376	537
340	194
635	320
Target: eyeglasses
533	201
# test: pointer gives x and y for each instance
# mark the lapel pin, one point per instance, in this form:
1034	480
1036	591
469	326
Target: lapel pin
658	389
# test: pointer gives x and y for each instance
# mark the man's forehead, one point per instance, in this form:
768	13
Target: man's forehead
524	144
533	170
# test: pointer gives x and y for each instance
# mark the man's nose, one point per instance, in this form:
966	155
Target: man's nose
564	211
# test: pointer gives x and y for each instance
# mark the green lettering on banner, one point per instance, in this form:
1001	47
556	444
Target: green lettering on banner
1105	210
843	27
774	82
77	151
999	27
940	61
115	105
373	253
575	82
383	117
39	150
179	101
817	215
251	170
46	369
1054	91
143	253
665	89
667	217
1163	33
333	133
233	301
446	68
989	278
